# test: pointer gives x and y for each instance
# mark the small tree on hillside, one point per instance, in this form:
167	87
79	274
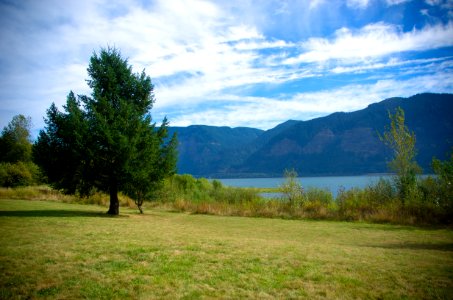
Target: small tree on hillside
110	142
402	142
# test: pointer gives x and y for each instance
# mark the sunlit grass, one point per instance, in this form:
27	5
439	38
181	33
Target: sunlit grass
58	250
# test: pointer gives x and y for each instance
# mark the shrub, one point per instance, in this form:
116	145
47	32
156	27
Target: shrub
292	189
357	204
444	172
436	200
382	192
18	174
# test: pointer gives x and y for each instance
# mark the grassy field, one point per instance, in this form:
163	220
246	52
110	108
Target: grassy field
57	250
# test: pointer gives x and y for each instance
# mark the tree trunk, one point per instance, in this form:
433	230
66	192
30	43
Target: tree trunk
139	202
114	208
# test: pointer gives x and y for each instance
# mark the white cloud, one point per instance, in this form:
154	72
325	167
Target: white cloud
315	3
446	4
427	65
396	2
374	40
433	2
266	113
199	51
358	4
196	39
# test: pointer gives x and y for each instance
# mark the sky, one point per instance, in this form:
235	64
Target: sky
237	63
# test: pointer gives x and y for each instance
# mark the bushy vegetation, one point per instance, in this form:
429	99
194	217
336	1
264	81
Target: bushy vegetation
18	174
406	199
379	202
16	166
430	203
186	193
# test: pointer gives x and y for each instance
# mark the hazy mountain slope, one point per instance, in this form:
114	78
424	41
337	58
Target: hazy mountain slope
348	143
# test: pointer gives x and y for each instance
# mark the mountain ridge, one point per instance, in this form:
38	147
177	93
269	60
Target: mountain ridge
342	143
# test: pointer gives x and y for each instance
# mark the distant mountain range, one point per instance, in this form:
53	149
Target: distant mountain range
338	144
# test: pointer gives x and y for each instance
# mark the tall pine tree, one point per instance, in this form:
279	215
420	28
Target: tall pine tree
109	142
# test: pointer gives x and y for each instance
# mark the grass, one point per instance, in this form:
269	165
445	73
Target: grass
66	251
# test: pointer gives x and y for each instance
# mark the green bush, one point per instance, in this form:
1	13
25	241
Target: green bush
323	196
436	200
18	174
189	189
444	179
292	190
382	192
234	195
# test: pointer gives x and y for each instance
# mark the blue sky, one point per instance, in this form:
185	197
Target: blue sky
233	63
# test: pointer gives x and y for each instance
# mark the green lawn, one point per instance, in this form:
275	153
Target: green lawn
56	250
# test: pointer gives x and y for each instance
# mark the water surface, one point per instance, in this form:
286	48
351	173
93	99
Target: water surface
331	183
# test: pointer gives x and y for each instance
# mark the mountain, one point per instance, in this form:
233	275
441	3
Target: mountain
338	144
206	150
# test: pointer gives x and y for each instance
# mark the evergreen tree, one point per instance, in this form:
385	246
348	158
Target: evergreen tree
110	143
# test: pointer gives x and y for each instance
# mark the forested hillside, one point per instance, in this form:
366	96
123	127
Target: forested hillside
338	144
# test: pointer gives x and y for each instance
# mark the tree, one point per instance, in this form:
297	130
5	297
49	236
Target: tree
109	143
15	142
16	166
444	173
61	150
151	164
291	188
402	142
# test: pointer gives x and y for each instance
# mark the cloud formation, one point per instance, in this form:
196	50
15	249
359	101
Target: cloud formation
230	63
373	40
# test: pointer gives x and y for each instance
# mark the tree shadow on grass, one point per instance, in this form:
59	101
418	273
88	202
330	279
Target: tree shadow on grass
416	246
55	213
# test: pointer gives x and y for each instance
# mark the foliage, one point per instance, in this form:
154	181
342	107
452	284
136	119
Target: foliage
62	150
292	189
402	142
16	167
201	190
109	143
436	193
378	202
444	172
18	174
15	142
